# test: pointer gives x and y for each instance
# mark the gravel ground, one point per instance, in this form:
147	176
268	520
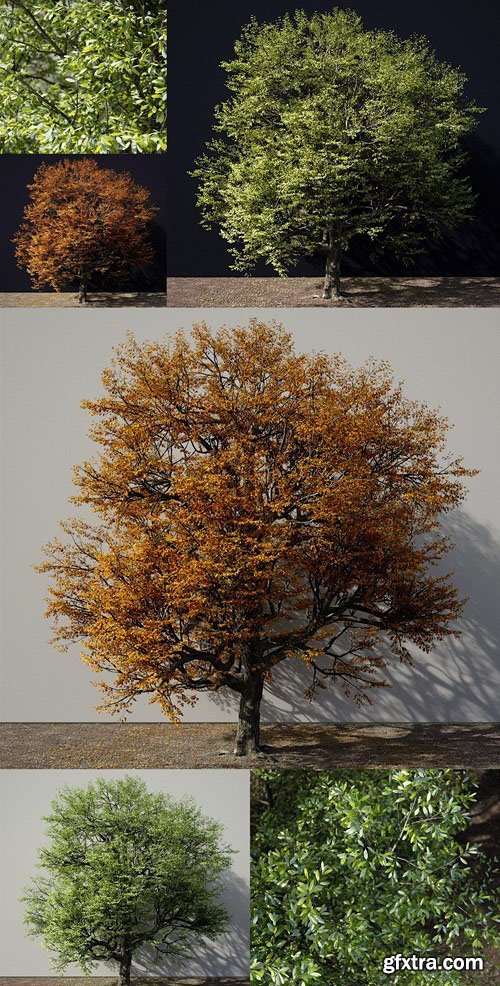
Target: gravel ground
67	299
111	981
360	292
199	745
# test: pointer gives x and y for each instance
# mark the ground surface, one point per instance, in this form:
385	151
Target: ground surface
198	745
66	299
360	292
111	981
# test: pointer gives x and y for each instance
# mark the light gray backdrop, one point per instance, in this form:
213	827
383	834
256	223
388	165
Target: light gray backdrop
53	359
26	796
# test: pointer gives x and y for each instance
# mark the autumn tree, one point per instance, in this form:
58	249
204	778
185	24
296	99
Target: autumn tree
82	77
83	221
126	868
254	504
333	132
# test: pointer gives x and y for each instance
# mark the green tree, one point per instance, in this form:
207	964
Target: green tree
333	132
126	868
82	77
351	867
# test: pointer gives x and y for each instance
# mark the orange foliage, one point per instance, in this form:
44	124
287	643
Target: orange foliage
83	220
255	504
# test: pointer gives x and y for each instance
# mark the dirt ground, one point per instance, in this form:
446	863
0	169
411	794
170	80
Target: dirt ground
66	299
111	981
360	292
199	745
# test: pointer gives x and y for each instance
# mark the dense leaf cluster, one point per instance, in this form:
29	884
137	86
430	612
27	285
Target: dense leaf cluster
353	866
332	131
83	77
125	867
255	504
81	221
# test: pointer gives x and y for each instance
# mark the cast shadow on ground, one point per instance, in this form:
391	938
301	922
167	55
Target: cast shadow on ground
379	291
458	682
105	299
415	292
228	955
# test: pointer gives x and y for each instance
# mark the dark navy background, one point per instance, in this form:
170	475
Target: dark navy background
16	173
202	34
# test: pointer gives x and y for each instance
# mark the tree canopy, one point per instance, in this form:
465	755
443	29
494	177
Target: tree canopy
352	868
84	220
254	504
83	77
333	132
125	868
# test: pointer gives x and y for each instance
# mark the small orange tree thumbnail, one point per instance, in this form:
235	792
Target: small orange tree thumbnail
83	220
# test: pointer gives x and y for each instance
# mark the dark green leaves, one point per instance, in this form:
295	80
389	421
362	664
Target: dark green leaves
353	866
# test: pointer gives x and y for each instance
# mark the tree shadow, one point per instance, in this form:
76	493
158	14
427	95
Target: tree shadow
420	291
373	291
150	278
157	981
370	745
472	249
227	955
106	299
458	682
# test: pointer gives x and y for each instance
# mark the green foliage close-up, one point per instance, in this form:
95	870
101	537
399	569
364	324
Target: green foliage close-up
82	77
352	866
331	132
126	868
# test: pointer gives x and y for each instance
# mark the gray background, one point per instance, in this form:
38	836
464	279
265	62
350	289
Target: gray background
51	360
26	796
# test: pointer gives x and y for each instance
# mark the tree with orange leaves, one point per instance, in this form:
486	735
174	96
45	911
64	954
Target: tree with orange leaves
83	220
255	504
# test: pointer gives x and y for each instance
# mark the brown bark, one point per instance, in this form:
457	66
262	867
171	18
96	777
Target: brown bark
82	293
124	973
332	271
248	732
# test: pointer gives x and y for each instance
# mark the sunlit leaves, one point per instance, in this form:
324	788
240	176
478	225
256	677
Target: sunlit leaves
333	130
83	77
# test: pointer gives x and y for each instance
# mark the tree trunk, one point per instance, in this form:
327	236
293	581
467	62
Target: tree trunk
332	272
124	974
248	733
82	294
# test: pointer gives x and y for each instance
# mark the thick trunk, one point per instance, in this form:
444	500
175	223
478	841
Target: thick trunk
124	973
248	733
332	271
82	293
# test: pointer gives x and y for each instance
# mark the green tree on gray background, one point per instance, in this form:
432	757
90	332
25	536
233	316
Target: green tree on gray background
331	132
126	868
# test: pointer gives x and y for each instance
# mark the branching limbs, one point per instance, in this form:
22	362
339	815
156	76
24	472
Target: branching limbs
255	505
